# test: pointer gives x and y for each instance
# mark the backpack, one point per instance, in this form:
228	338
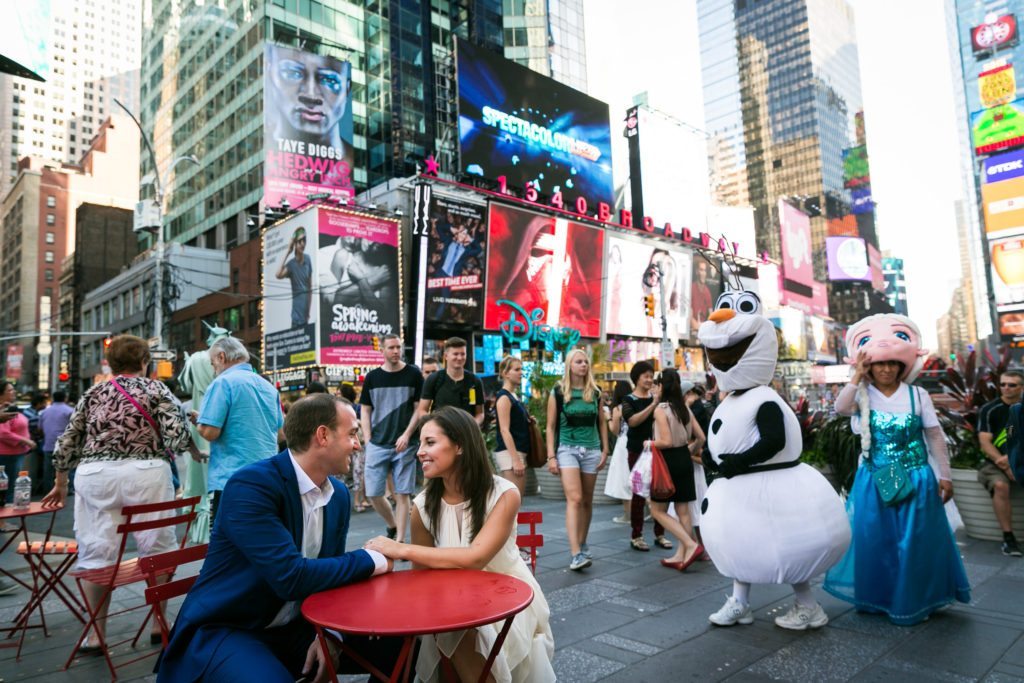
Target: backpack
1015	440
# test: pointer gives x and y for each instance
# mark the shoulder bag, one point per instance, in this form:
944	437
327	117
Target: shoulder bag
145	415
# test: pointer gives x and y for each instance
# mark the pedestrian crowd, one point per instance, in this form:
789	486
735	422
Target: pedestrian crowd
715	467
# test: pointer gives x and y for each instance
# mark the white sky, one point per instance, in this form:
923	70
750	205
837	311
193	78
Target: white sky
908	102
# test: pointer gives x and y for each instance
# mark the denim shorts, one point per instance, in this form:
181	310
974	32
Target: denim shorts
579	457
380	460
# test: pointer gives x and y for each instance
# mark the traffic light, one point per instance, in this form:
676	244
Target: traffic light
106	342
376	343
649	305
62	377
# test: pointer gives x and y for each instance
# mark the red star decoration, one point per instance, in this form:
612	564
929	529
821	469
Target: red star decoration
432	167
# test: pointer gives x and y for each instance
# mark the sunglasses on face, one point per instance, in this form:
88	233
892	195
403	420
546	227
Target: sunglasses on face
1012	385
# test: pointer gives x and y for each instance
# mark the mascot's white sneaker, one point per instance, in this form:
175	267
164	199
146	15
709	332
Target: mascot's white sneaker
800	618
732	612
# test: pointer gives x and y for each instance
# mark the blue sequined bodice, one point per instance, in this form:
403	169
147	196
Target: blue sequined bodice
897	436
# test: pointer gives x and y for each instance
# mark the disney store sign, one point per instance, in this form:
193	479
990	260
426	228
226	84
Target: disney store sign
530	327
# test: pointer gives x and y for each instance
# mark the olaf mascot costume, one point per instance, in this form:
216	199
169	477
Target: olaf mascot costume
768	518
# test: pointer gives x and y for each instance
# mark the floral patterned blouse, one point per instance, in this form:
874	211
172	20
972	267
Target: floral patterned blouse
106	426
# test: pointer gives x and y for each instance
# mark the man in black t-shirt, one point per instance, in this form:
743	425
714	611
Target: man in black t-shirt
388	416
995	473
453	386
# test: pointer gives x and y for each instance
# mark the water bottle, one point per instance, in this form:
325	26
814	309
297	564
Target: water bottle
22	491
3	486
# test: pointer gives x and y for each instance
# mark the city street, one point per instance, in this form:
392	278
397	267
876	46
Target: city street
627	618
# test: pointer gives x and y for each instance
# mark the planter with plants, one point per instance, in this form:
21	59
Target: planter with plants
969	387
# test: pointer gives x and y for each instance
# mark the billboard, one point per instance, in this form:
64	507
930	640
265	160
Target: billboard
289	318
705	288
1000	127
994	35
861	200
455	261
845	225
856	171
796	245
543	264
1003	205
1011	326
307	126
847	259
15	357
633	267
738	223
516	123
359	278
997	86
875	262
1008	270
1004	167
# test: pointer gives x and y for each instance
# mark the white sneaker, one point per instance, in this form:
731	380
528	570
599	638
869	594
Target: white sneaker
800	618
732	612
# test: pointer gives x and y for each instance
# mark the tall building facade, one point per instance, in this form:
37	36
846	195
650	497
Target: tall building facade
38	229
781	96
895	284
93	54
987	37
202	89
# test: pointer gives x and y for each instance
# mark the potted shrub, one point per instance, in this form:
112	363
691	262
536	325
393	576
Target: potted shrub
967	388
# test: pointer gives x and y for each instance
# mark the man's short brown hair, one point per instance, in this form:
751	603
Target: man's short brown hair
307	415
127	353
455	343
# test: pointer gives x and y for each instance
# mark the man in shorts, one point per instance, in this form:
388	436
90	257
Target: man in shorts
995	473
389	398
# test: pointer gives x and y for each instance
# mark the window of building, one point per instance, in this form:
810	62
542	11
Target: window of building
51	201
49	275
49	257
51	238
50	219
48	292
233	318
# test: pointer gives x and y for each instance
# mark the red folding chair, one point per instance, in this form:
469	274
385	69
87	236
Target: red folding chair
160	564
532	540
125	572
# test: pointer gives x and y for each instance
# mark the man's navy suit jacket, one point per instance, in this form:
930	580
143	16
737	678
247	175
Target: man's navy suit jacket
255	564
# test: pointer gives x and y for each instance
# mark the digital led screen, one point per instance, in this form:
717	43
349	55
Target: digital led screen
856	171
994	35
1004	167
997	86
516	123
1003	205
1000	127
637	268
847	259
543	264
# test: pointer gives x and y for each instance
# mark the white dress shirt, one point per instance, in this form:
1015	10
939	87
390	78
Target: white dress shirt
314	498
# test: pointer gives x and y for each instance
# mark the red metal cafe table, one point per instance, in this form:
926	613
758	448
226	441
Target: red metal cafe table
412	603
44	578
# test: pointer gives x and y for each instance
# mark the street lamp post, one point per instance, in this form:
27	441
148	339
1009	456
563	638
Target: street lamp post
159	185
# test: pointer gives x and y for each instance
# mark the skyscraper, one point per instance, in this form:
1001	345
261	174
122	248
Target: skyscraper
781	93
987	40
202	89
93	55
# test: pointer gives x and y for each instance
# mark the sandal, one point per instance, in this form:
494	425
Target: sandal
663	542
640	544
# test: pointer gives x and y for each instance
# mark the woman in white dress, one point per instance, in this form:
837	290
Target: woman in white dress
465	518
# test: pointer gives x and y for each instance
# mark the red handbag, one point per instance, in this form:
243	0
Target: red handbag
661	480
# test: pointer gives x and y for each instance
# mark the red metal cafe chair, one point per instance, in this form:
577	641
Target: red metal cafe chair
169	562
127	572
532	540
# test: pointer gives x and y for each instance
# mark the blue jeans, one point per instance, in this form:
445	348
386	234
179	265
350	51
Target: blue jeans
12	464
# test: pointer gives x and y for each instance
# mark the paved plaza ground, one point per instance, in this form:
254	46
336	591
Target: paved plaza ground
627	618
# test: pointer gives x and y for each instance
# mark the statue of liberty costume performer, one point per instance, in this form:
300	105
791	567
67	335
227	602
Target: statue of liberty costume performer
903	561
195	378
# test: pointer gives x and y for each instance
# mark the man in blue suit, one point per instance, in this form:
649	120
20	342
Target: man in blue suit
278	538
